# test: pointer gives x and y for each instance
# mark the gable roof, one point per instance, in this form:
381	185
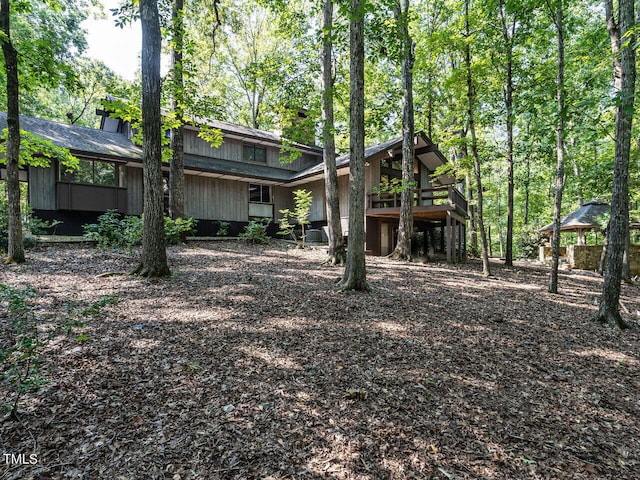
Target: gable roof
80	140
433	157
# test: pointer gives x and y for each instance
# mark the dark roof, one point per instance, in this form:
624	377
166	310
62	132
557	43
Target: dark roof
583	218
79	139
343	160
229	167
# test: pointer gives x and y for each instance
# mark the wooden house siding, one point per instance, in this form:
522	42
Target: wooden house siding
231	149
134	184
283	199
42	187
209	198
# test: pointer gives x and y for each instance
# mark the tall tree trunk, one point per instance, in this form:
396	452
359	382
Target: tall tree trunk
154	255
15	250
557	206
405	228
486	270
624	76
508	101
355	270
337	253
176	168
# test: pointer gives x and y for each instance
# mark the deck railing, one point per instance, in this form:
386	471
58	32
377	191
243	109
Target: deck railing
448	195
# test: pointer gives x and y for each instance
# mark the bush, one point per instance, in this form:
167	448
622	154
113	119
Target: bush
223	229
256	231
176	230
528	242
113	230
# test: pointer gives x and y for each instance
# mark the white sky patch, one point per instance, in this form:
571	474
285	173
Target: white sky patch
119	48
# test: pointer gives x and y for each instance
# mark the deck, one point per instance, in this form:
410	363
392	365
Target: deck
428	204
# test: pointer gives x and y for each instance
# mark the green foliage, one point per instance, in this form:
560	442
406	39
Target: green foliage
20	353
115	231
256	231
303	200
175	230
38	152
528	242
223	229
395	186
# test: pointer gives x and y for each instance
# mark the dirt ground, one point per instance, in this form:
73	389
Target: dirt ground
247	364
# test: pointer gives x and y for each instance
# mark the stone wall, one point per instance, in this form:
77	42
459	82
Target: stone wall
587	257
545	253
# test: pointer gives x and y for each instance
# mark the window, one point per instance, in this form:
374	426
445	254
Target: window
252	153
259	193
94	172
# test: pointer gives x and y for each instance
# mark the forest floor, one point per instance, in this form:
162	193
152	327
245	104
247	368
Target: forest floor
247	364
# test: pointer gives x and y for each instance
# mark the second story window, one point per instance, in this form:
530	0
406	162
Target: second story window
253	153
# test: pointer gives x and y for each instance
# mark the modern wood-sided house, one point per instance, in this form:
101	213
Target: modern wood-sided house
240	180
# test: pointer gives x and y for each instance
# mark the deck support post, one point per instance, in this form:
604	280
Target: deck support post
448	232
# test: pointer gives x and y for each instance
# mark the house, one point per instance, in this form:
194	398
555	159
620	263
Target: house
240	180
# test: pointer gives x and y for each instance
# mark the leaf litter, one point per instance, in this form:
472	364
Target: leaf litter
248	364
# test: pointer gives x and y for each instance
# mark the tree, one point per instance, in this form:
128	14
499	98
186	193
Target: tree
471	94
337	254
302	199
15	247
623	47
355	271
557	210
405	229
154	255
176	166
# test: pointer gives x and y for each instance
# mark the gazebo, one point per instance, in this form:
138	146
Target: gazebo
581	220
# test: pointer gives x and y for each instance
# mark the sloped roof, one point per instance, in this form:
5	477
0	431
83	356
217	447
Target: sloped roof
584	218
80	139
369	153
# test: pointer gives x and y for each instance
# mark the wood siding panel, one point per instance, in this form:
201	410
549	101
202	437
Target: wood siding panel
231	149
42	188
283	199
135	199
209	198
343	193
318	211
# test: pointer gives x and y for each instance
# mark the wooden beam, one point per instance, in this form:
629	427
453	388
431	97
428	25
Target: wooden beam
428	149
447	230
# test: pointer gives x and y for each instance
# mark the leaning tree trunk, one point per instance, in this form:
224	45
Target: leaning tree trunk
355	271
474	147
154	255
625	76
405	227
15	250
337	253
557	208
176	168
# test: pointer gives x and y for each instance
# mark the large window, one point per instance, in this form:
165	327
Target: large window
260	201
252	153
259	193
95	172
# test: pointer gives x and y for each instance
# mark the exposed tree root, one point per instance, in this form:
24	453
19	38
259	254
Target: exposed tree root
399	255
352	283
113	274
14	260
335	260
612	318
151	272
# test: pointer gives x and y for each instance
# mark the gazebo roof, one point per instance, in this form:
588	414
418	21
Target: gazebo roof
584	218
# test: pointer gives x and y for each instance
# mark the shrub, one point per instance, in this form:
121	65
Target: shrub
113	230
528	242
223	229
256	231
175	230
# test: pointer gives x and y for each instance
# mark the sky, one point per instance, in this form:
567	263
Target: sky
118	48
